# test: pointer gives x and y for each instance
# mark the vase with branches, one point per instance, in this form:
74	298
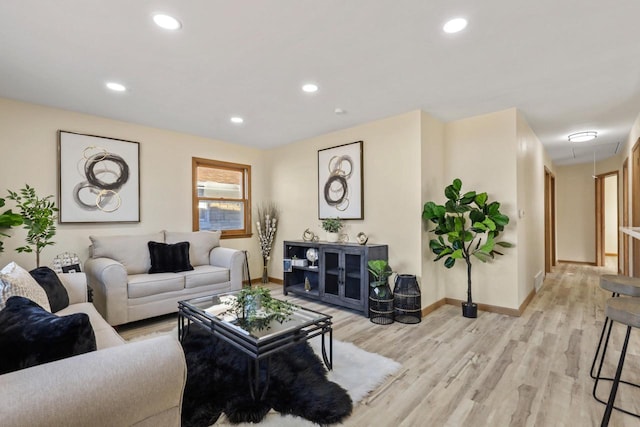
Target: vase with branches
38	216
266	226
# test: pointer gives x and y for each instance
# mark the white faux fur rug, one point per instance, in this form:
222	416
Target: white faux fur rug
357	371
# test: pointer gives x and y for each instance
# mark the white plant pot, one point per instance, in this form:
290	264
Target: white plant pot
332	237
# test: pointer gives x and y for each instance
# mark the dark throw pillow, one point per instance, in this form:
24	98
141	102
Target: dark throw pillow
30	335
167	258
56	292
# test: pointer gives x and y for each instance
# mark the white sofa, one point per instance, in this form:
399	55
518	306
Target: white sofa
120	384
124	291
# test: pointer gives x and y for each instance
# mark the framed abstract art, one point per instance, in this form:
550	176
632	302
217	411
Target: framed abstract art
340	182
98	179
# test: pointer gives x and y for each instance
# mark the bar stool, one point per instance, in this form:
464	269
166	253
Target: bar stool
627	312
617	285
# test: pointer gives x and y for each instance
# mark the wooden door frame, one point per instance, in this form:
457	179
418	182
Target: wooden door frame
623	260
549	220
635	205
600	213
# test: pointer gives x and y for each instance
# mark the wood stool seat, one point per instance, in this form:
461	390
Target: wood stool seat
627	312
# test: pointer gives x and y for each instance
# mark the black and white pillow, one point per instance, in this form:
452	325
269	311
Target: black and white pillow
55	290
16	281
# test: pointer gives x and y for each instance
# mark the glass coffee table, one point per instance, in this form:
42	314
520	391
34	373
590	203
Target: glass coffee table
258	344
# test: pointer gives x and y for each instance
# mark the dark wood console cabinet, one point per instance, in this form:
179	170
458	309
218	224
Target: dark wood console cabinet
340	275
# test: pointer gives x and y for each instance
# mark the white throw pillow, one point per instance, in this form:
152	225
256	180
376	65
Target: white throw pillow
130	251
16	281
200	244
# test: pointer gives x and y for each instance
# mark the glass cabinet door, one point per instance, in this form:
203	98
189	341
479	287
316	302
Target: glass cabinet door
331	268
352	276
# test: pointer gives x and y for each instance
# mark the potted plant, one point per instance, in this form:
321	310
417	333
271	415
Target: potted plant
38	216
8	219
380	270
471	226
332	226
255	308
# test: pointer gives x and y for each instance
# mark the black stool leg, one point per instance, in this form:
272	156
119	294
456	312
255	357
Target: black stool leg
616	381
595	356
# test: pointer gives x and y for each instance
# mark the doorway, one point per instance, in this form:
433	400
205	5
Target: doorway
606	216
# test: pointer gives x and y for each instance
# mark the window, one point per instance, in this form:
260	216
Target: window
221	197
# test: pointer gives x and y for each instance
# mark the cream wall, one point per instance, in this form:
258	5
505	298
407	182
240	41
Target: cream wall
432	153
576	217
632	139
482	152
408	159
575	221
28	138
392	189
532	160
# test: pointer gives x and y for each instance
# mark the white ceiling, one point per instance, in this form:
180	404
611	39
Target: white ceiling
568	65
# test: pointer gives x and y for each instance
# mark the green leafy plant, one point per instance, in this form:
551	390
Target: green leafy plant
255	308
8	219
380	270
332	225
467	226
38	216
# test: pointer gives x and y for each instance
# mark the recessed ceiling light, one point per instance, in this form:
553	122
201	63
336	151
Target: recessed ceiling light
117	87
340	111
167	22
236	120
583	136
310	88
455	25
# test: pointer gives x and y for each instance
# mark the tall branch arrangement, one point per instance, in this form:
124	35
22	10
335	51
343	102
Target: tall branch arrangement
266	225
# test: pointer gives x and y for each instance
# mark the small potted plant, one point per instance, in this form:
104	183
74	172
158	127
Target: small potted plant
255	308
332	226
380	270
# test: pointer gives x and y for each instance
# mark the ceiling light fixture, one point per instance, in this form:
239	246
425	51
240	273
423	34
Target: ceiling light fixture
116	87
455	25
167	22
583	136
310	88
236	120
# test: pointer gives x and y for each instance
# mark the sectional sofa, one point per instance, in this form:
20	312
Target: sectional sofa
119	384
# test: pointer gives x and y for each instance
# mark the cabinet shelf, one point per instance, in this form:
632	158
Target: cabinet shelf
313	269
298	289
340	277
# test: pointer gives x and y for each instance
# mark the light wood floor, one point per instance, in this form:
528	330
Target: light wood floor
495	370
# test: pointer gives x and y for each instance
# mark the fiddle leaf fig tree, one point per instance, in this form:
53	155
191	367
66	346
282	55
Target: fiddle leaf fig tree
467	227
38	215
8	219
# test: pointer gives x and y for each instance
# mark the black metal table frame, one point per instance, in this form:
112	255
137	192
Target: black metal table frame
258	350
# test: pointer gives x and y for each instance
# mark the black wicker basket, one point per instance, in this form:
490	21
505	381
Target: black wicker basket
406	299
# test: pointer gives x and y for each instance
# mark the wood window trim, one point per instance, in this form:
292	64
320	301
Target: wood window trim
218	164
